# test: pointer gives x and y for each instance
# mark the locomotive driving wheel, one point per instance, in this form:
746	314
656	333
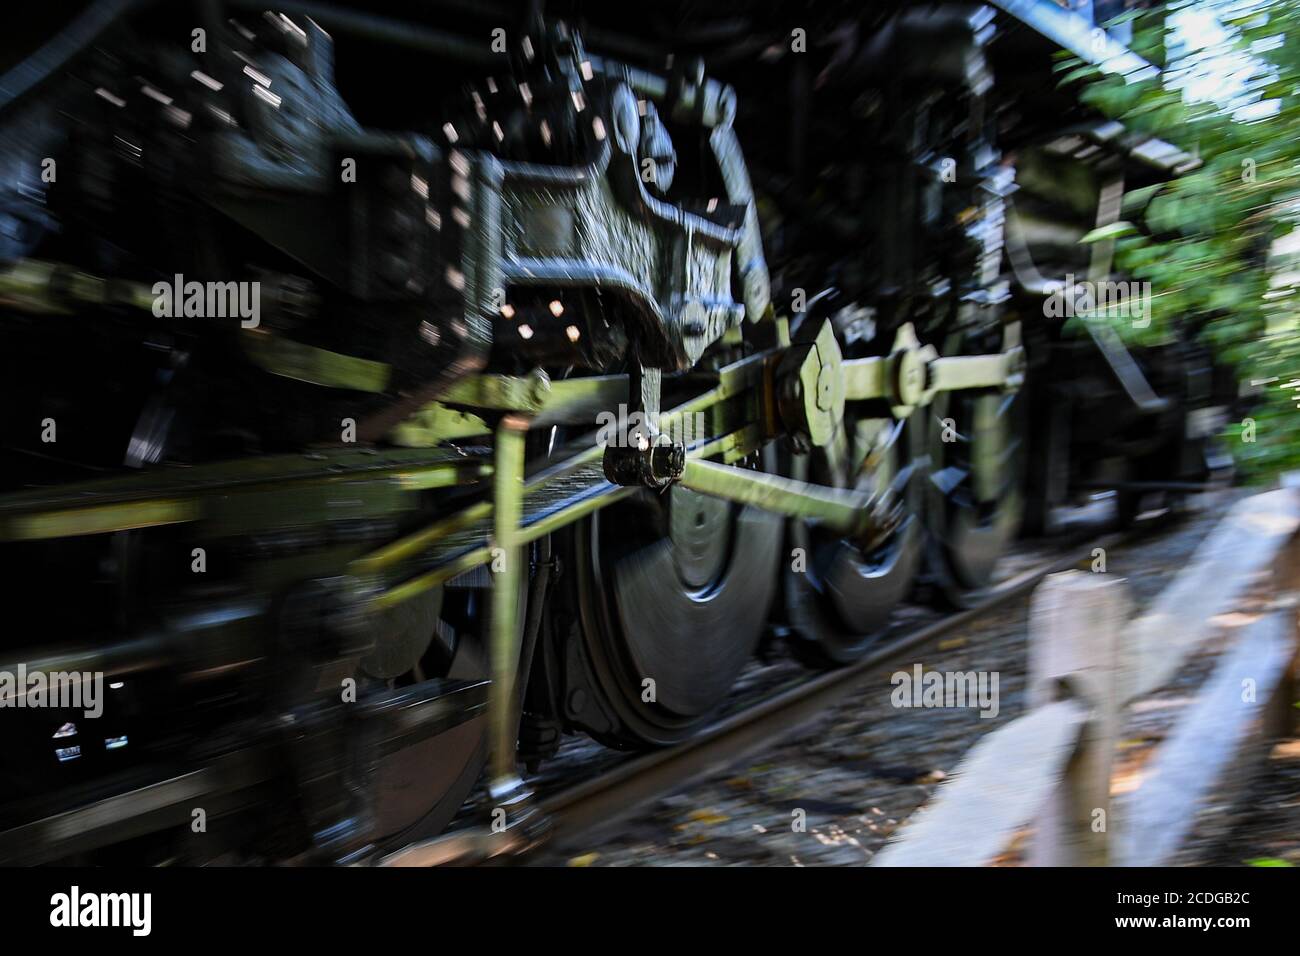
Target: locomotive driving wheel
974	495
672	595
839	595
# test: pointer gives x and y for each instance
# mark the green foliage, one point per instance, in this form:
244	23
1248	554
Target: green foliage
1202	240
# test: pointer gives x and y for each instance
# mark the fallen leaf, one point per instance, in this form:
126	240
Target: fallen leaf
707	816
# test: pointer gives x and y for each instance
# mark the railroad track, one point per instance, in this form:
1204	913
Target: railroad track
574	814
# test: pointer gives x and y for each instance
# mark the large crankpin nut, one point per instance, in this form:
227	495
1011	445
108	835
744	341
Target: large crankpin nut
654	464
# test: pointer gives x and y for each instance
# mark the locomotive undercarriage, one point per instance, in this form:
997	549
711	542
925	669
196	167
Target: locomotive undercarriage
425	549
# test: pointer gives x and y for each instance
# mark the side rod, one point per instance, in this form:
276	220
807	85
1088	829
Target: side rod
858	514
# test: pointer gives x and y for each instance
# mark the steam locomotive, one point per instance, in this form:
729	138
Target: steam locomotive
391	390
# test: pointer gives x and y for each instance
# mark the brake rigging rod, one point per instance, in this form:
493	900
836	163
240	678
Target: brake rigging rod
504	783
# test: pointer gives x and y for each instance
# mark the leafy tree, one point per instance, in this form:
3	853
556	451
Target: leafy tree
1203	240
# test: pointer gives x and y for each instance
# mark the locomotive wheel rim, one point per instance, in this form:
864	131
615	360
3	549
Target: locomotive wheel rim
969	530
840	604
644	614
